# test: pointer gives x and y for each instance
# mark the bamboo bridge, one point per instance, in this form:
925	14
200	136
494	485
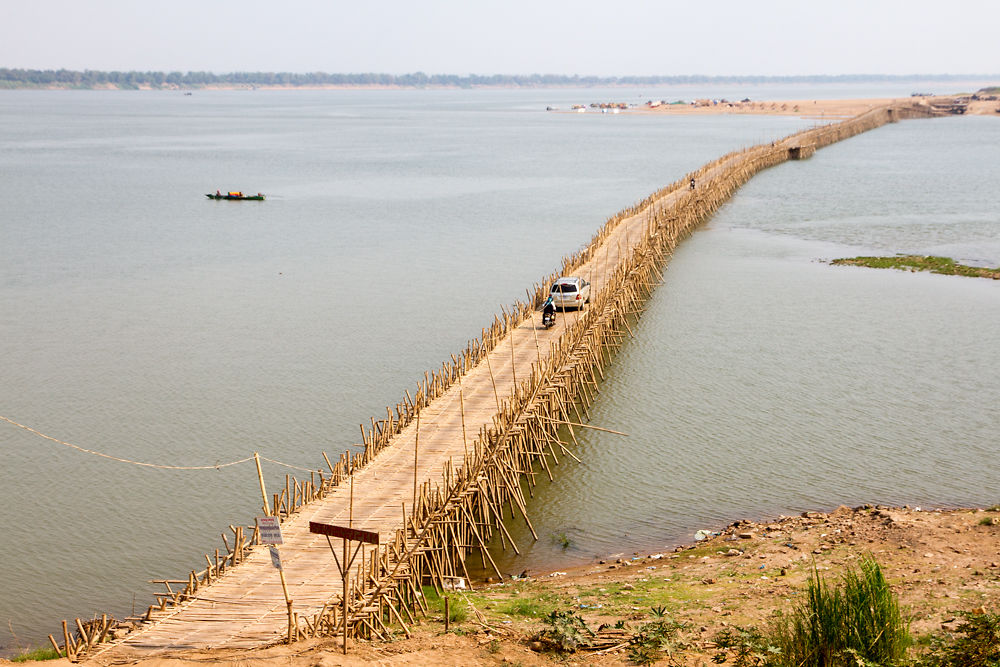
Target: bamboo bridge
445	468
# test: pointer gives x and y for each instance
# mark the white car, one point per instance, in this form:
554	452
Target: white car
570	293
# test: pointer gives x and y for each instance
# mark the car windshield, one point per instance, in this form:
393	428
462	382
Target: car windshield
563	287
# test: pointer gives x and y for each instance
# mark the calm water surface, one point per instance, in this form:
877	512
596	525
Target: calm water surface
144	321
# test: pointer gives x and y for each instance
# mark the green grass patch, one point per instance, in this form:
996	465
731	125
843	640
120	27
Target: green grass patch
942	265
670	595
41	653
458	608
610	598
525	606
530	601
711	550
595	592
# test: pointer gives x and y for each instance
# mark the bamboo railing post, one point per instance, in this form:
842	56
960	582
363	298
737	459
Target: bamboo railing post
513	365
83	633
416	450
493	380
461	404
105	626
288	605
70	650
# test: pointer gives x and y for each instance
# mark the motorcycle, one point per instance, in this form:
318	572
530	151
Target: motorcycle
549	319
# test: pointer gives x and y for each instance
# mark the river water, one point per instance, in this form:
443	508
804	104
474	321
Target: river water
146	322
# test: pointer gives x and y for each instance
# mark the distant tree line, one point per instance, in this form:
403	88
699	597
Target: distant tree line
63	78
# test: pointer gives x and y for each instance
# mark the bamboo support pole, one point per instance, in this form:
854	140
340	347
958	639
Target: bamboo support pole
70	650
260	477
83	633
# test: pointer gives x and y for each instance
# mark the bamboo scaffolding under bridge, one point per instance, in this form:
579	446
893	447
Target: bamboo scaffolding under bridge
447	466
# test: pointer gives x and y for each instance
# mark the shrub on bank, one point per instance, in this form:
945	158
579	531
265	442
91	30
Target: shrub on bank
976	643
859	622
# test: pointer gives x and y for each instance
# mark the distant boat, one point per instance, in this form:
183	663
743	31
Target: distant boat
238	196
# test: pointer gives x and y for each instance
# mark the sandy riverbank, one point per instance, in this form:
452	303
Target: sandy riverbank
830	109
834	109
819	109
938	562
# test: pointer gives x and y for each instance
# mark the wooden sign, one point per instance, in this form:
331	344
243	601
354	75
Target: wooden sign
343	533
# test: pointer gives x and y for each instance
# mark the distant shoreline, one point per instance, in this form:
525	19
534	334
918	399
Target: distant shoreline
816	109
6	85
20	79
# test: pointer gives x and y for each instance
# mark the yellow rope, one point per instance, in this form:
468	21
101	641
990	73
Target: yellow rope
289	465
115	458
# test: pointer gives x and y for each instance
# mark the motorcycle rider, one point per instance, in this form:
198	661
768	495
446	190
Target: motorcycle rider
549	310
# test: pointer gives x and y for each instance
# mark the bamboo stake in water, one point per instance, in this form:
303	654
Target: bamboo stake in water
260	476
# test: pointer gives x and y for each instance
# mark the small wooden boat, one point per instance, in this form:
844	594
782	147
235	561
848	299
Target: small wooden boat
238	196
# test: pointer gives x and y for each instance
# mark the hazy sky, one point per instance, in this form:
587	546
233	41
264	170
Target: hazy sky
602	37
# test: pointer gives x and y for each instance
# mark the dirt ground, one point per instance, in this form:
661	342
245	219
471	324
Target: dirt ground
938	561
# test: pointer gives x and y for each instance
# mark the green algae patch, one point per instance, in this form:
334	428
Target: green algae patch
943	265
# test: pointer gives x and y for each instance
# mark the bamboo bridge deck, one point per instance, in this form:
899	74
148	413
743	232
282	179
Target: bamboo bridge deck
453	443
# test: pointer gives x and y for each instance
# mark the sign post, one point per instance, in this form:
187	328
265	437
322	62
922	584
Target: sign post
270	534
347	535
